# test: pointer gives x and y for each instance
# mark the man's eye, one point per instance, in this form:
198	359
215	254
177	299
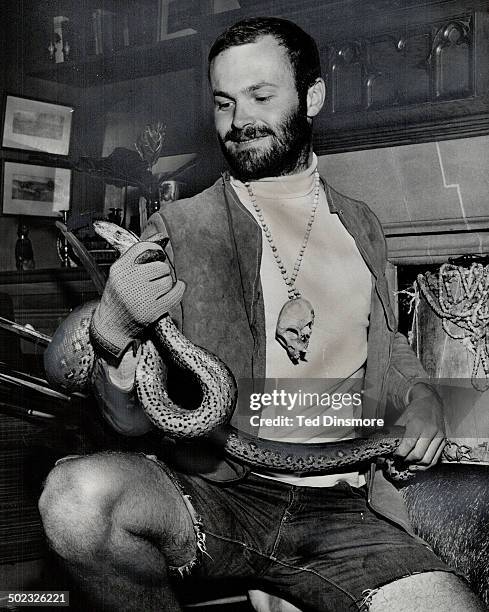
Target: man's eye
223	105
263	98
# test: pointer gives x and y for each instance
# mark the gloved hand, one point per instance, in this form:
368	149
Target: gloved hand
138	292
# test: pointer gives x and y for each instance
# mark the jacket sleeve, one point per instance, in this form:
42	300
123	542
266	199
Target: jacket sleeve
405	370
117	400
113	386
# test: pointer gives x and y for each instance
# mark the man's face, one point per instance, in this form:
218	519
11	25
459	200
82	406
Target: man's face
261	125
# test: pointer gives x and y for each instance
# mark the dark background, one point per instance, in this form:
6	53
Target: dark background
398	72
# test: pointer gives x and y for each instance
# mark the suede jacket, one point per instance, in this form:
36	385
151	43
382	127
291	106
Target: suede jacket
216	249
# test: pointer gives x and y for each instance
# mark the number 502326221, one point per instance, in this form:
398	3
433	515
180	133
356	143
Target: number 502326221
34	598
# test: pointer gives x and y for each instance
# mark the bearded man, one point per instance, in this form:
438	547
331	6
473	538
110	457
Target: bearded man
269	233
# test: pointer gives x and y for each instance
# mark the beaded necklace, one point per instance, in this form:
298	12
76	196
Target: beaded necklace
296	317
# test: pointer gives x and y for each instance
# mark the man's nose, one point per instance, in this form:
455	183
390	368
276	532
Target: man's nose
242	116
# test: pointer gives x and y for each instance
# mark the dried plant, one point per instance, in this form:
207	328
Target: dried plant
150	143
125	167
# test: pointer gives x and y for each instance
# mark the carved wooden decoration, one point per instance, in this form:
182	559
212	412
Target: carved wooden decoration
452	63
404	82
395	69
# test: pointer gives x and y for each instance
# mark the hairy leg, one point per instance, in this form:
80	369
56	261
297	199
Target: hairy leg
118	522
433	591
264	602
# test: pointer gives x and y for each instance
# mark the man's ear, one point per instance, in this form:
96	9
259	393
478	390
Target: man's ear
316	95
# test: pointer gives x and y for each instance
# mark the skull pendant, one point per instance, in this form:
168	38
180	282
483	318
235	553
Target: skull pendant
294	328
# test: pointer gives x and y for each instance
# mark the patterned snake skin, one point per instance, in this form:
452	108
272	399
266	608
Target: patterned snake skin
71	359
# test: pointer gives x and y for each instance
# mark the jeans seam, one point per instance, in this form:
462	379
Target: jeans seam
233	541
282	520
285	564
318	575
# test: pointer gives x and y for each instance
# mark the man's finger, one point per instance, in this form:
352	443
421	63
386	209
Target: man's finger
162	272
419	451
443	443
423	468
405	447
428	458
413	433
417	441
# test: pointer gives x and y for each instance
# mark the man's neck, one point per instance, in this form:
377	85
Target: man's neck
304	161
295	185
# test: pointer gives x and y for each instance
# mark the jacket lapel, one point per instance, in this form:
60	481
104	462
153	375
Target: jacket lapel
247	237
366	230
357	227
248	245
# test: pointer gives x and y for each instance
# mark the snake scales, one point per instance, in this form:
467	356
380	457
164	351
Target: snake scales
70	359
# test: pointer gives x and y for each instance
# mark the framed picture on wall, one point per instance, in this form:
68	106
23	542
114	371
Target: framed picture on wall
175	18
35	125
41	191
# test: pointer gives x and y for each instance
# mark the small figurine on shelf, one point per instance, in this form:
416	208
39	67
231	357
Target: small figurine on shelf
66	50
115	216
59	48
24	255
52	50
169	191
62	246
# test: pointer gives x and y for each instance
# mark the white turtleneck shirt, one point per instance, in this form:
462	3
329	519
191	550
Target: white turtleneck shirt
335	279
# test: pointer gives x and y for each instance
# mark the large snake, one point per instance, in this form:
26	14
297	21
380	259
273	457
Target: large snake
70	358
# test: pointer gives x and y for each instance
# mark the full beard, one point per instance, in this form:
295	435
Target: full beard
287	153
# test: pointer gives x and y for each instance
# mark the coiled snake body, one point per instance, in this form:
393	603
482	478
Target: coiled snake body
70	359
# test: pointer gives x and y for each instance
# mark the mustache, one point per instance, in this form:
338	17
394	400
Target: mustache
247	133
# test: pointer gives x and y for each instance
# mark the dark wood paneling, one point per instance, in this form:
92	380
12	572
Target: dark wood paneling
131	63
415	81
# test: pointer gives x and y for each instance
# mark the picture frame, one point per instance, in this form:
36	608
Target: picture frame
34	190
175	18
36	125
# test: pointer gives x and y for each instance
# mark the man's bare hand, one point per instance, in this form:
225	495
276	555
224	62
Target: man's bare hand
424	438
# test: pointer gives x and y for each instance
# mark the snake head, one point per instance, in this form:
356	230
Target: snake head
118	237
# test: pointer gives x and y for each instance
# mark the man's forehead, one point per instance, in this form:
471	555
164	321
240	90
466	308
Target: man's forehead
251	64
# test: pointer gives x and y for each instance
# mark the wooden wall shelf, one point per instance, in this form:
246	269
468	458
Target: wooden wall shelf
62	275
43	298
131	63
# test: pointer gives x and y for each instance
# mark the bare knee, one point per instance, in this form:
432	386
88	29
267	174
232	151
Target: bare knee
436	591
114	507
76	505
264	602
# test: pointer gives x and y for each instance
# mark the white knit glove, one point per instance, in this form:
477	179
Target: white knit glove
139	291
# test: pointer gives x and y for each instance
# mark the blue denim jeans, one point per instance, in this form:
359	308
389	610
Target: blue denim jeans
322	549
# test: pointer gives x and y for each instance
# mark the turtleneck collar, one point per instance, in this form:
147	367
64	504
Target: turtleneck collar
289	186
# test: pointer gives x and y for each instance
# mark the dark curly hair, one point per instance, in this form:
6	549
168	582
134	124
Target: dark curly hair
301	48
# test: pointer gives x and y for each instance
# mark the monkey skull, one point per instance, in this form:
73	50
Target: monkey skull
294	328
